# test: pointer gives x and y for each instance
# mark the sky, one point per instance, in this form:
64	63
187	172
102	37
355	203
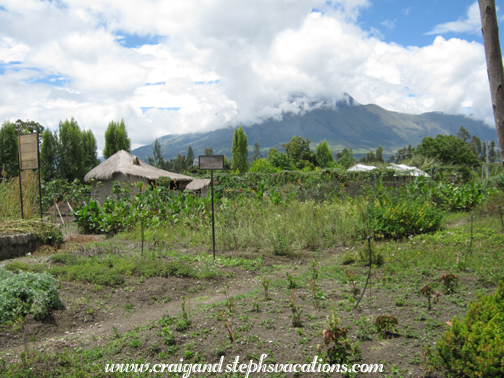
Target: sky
183	66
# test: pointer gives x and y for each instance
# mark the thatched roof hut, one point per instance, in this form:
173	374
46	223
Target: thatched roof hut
123	163
123	167
199	186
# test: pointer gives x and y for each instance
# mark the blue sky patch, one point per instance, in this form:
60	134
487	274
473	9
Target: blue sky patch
407	22
53	80
135	40
206	82
9	66
145	108
160	83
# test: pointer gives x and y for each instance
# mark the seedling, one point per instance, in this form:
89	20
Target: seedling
265	284
450	281
186	315
292	284
341	350
386	325
428	292
318	295
352	279
314	270
296	311
229	300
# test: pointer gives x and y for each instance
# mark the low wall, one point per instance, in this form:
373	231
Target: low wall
17	245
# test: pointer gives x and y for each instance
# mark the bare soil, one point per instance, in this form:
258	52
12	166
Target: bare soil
251	326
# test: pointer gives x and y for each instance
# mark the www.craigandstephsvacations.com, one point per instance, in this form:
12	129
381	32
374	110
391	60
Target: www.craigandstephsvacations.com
316	366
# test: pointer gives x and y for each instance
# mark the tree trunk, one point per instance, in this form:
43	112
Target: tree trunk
493	54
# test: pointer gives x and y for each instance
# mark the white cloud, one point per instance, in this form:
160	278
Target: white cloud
471	23
259	58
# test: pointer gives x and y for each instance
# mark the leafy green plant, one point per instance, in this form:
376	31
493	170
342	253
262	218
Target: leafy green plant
265	284
229	300
472	346
297	311
449	281
428	292
314	271
340	350
292	284
167	335
386	324
396	215
24	293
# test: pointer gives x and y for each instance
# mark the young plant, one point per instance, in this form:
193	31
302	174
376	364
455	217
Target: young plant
386	325
167	335
186	315
352	279
427	292
339	351
265	284
229	300
449	281
290	278
296	310
318	295
314	270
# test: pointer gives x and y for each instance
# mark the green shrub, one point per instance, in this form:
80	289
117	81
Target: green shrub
24	293
377	257
473	346
402	216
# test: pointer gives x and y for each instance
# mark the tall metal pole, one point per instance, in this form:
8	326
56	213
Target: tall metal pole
213	219
21	194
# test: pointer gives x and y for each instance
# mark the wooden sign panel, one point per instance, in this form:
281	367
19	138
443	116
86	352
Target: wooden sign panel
28	151
211	162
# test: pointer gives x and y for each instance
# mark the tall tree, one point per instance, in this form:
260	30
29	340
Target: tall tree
324	154
464	134
379	155
71	152
257	152
190	157
208	151
180	163
345	158
49	156
239	160
493	55
298	149
157	159
8	150
449	149
90	158
116	139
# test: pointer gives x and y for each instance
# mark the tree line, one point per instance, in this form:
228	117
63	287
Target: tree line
67	153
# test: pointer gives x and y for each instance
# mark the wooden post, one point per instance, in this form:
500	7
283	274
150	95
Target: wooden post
490	30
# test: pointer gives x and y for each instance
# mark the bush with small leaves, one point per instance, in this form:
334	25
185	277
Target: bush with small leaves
474	345
25	293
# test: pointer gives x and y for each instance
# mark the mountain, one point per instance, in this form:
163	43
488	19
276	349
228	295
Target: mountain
352	125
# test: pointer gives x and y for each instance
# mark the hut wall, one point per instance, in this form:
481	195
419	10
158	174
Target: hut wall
105	190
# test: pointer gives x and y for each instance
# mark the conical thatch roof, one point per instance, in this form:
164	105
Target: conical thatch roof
123	162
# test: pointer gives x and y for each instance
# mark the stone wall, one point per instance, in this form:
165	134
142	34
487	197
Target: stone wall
17	245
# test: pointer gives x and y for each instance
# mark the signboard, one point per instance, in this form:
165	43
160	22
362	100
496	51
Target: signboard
211	162
28	151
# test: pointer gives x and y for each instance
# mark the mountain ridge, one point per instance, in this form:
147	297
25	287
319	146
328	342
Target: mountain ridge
351	125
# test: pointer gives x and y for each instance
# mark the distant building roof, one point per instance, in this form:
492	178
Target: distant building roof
123	162
407	170
361	168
